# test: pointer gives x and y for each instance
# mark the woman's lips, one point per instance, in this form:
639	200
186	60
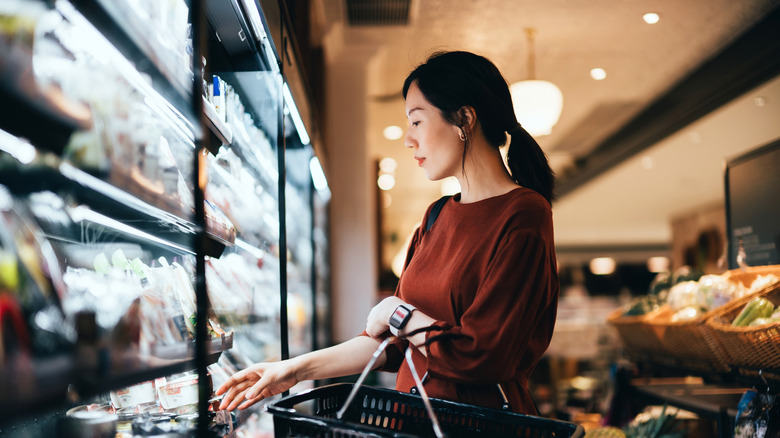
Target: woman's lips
419	161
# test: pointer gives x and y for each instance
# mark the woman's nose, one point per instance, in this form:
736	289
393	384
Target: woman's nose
408	141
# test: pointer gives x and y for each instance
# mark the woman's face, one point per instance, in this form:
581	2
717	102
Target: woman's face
437	146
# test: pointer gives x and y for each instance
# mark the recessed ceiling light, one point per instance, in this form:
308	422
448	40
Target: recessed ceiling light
651	18
387	165
647	162
393	132
598	74
385	181
602	265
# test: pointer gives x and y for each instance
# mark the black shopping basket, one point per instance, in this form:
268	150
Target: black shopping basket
377	412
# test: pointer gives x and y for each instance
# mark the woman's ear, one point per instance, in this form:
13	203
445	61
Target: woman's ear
468	118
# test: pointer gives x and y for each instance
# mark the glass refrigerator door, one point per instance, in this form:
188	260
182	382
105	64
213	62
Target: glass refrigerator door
243	105
97	235
300	294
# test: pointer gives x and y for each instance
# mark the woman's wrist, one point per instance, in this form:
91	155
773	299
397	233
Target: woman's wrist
416	321
300	366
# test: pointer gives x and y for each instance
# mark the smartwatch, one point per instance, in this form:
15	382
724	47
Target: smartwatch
400	317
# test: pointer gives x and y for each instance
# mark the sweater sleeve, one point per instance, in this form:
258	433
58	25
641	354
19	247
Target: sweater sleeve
510	312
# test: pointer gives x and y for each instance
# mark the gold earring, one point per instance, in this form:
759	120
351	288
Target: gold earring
462	136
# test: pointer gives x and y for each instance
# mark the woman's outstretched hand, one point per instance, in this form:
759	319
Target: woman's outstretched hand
257	382
378	319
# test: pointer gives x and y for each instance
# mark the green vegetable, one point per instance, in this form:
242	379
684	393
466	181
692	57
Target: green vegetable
119	260
663	281
665	425
642	305
138	268
101	264
756	308
761	321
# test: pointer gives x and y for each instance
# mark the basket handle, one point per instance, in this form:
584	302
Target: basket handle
423	394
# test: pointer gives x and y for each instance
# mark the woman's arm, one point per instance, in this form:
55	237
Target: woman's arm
266	379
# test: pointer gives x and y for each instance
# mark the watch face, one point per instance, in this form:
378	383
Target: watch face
399	317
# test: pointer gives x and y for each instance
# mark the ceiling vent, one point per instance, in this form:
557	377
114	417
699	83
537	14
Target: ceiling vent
378	12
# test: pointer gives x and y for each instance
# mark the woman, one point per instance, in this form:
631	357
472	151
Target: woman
480	288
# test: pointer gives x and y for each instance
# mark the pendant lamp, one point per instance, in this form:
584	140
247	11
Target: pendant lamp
538	104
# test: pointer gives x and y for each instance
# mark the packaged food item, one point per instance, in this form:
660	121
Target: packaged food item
758	416
88	420
179	395
134	395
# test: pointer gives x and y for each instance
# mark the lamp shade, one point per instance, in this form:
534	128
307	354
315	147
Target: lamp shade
538	105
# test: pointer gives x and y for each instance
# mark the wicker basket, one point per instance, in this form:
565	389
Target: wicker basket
693	343
639	337
752	347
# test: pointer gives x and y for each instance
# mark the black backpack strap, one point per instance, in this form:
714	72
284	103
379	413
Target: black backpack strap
435	210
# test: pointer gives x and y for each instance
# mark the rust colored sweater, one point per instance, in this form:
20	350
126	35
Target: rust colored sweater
486	271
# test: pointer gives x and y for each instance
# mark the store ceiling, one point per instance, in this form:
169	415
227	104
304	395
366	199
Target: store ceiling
642	62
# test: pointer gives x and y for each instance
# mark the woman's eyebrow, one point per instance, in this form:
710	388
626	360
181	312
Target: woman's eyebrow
412	110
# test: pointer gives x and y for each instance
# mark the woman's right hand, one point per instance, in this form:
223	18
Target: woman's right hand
257	382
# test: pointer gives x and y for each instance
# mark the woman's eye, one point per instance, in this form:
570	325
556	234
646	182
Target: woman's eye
415	123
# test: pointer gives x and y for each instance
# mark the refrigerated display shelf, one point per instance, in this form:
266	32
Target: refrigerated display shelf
221	134
52	382
138	49
120	371
243	321
178	351
269	177
149	214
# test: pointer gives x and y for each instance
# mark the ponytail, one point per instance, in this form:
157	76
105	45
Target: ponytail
528	164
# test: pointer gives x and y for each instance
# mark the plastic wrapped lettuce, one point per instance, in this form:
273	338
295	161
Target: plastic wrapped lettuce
715	291
683	295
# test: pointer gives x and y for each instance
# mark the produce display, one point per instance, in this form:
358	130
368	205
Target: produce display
688	298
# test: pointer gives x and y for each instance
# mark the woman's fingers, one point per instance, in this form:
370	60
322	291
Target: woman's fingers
235	393
240	402
260	381
236	385
232	381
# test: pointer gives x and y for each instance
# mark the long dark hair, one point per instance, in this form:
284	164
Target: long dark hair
453	80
